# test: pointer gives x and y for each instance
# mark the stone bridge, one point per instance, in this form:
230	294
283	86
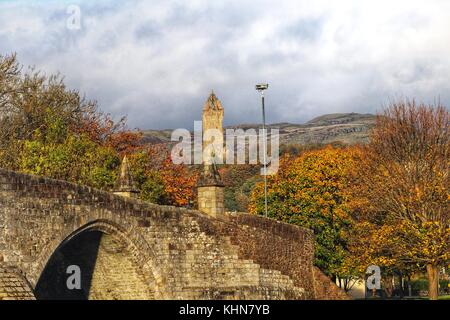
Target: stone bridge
129	249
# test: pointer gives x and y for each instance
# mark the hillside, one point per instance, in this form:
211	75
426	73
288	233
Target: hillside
348	128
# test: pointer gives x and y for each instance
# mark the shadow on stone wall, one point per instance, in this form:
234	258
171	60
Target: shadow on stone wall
81	251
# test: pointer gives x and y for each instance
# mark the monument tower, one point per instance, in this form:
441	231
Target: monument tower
210	186
212	119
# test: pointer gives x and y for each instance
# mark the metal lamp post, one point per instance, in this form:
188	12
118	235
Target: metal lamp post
261	88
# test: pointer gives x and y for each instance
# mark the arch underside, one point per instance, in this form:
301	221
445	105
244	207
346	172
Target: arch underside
108	270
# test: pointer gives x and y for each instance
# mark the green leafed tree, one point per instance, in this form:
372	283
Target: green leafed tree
310	191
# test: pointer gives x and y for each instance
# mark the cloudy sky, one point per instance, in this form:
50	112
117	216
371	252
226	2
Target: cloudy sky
157	61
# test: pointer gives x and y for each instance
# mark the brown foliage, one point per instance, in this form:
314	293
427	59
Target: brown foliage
402	189
408	156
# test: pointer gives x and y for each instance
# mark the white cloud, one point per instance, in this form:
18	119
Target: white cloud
157	60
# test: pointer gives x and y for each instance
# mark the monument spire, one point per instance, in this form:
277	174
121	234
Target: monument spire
212	103
125	184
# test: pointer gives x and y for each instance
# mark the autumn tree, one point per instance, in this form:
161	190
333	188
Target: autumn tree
369	243
403	186
310	191
49	130
160	180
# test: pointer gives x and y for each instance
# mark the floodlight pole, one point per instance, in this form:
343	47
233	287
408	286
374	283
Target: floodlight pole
261	88
265	152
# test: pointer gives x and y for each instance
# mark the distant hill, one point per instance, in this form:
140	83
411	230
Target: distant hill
348	128
156	136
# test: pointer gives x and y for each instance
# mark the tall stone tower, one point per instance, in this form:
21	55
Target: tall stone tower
210	186
212	119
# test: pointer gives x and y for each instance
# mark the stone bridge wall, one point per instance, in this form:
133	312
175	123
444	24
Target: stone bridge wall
155	251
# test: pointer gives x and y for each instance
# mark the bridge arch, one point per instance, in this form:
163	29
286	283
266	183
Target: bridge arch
114	264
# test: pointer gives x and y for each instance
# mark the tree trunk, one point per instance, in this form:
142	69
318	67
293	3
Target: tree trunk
389	286
409	286
433	281
402	285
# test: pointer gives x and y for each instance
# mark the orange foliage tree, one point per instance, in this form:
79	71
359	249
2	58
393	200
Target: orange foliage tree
402	212
311	191
160	180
